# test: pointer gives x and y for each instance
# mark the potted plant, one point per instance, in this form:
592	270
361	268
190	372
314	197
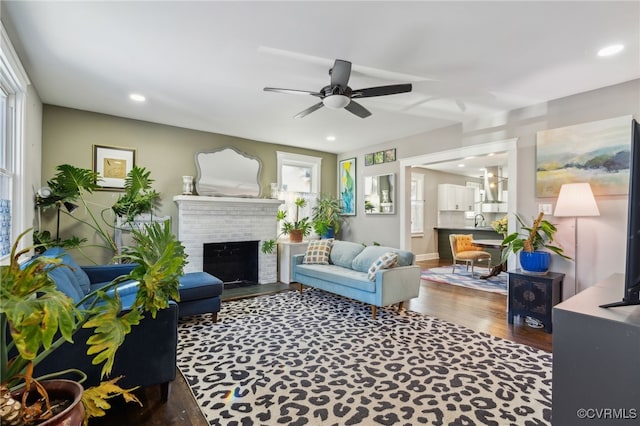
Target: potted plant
297	229
36	318
72	184
528	243
326	217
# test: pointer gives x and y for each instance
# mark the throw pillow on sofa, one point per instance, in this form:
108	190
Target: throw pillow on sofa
386	261
318	252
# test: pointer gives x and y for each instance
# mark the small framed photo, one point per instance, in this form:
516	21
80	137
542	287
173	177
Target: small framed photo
379	157
390	155
112	164
368	159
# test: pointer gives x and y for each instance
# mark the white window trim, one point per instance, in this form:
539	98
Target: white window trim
14	80
419	178
290	159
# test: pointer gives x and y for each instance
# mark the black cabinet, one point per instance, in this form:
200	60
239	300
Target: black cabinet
534	295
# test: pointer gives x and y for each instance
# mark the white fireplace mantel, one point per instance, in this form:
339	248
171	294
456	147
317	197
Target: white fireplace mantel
204	220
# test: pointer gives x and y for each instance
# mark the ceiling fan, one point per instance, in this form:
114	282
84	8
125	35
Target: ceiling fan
339	95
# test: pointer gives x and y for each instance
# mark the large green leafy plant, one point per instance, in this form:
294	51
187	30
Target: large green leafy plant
73	185
532	237
40	318
327	214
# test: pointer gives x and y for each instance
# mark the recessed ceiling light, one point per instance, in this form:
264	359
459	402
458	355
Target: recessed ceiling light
611	50
137	97
460	165
331	138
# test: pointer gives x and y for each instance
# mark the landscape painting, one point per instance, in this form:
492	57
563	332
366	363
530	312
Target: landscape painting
596	152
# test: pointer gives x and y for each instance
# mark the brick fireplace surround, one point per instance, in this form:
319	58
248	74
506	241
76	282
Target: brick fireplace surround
226	219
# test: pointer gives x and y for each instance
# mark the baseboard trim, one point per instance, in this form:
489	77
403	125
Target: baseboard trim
427	256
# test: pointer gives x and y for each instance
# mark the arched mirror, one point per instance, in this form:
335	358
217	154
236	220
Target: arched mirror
379	194
228	172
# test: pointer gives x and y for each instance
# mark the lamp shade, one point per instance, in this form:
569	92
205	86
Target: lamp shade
576	199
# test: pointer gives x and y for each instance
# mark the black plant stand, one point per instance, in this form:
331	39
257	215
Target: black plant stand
534	296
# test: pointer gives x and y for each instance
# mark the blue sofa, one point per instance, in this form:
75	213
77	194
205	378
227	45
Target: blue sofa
148	355
347	275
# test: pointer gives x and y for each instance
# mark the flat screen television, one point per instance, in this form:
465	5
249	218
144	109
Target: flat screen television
632	271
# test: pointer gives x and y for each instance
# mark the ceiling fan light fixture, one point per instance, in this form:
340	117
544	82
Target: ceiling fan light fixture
336	101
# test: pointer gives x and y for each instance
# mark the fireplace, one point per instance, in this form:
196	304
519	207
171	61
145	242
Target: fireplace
234	263
203	220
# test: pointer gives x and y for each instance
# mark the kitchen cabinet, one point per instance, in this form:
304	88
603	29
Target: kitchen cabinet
455	197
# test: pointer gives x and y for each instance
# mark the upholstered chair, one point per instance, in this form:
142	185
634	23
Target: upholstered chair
463	250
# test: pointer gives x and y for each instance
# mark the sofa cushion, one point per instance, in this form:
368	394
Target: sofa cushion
81	278
318	252
343	253
66	282
338	275
370	254
386	261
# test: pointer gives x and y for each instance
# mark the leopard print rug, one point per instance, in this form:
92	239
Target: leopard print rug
320	359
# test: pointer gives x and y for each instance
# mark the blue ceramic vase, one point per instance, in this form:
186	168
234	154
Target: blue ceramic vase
536	262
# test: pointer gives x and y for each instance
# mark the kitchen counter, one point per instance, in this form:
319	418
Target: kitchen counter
465	228
479	233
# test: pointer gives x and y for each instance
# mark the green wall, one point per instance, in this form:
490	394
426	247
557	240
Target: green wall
167	152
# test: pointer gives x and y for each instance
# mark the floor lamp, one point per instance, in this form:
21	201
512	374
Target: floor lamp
576	200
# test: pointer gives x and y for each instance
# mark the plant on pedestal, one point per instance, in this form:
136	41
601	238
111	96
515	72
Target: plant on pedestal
297	229
528	243
36	318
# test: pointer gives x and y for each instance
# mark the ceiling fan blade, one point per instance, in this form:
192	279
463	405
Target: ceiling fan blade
357	109
370	92
309	110
292	91
340	73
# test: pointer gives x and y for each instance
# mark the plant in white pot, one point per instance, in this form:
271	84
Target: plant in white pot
36	318
530	241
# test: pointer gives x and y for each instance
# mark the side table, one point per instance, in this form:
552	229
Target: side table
285	251
534	295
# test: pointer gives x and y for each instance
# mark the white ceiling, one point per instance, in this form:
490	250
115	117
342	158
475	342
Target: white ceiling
203	65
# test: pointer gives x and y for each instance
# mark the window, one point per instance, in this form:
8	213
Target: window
298	173
6	175
13	86
298	177
417	203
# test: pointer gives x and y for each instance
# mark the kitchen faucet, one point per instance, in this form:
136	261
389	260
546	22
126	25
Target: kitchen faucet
475	220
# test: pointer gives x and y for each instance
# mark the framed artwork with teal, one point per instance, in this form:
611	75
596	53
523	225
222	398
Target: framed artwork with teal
347	186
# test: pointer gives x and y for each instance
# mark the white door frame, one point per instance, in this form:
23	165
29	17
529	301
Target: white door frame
508	145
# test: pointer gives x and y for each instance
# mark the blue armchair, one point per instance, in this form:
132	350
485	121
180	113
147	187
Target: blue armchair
148	355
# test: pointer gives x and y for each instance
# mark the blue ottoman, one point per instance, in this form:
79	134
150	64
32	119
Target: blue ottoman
199	294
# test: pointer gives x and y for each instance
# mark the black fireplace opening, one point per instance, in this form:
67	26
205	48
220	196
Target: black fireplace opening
234	263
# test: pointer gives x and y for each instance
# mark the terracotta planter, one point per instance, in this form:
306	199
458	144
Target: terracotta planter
295	236
73	415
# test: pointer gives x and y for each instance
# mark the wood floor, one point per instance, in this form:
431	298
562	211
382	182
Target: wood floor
478	310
